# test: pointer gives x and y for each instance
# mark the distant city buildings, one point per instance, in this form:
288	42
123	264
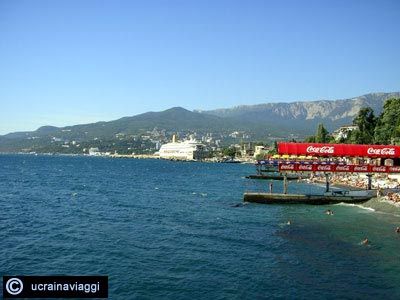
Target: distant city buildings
260	150
94	152
193	145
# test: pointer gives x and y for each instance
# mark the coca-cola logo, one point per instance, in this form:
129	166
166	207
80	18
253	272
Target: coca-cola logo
324	149
361	168
286	167
306	167
394	169
324	168
381	151
378	169
342	168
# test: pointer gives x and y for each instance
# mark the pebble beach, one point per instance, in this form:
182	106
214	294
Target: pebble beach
387	188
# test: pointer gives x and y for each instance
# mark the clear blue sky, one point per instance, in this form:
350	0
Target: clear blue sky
73	62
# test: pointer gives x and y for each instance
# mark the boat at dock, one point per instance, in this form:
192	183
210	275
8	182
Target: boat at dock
330	197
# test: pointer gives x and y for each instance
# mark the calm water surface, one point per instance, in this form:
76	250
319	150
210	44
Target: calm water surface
168	230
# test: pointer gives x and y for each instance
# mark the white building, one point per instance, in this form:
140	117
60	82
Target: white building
94	151
343	132
260	150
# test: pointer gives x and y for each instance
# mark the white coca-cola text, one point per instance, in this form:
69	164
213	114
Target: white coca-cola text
361	168
379	169
342	168
381	151
324	168
305	167
286	167
324	149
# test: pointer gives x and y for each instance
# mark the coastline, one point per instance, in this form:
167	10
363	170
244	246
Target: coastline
381	204
384	206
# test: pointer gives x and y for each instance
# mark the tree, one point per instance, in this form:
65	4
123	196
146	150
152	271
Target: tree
322	134
387	130
275	150
366	122
310	139
229	151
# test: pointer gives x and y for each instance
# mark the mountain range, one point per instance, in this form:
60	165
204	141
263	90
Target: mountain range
302	118
261	121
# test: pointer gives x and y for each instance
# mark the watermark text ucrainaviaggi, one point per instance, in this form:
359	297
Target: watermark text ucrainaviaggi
55	286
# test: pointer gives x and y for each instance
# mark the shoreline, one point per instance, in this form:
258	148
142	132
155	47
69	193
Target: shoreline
247	160
381	204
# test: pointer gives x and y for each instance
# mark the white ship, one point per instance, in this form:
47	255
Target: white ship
186	150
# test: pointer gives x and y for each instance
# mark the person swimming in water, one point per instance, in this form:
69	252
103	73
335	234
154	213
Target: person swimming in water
398	230
289	223
365	241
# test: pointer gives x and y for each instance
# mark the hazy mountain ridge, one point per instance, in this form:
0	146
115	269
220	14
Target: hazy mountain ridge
310	110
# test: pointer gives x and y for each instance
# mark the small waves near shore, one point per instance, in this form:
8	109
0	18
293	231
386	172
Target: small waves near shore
382	205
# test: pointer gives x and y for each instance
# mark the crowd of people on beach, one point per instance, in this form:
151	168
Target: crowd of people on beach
388	189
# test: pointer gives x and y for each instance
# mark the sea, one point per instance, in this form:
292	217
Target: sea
180	230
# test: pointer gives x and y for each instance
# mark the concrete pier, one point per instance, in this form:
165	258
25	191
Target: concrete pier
327	198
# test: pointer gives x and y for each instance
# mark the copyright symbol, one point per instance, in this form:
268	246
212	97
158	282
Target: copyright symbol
14	286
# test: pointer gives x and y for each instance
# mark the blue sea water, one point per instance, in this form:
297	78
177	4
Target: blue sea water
170	230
